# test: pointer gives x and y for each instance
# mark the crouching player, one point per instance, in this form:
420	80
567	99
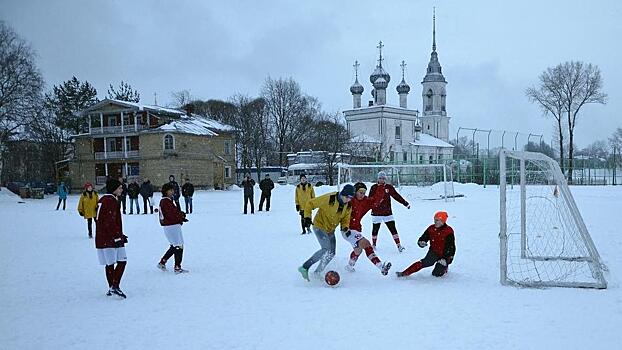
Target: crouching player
442	247
361	204
171	219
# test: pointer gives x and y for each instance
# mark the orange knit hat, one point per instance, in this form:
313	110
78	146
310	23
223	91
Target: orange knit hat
441	215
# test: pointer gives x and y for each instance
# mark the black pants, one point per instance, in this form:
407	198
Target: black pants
266	197
432	259
249	198
89	224
147	200
302	222
122	202
64	200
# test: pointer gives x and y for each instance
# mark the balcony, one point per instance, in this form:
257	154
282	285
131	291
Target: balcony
116	155
119	129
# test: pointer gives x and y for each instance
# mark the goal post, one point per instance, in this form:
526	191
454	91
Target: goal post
400	175
543	239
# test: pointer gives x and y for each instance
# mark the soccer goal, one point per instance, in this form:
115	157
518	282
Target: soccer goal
544	241
401	175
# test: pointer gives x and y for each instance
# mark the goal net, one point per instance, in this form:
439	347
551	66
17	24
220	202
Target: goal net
544	241
401	175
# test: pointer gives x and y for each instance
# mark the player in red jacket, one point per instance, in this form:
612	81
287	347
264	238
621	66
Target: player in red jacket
109	238
442	247
383	213
361	204
171	219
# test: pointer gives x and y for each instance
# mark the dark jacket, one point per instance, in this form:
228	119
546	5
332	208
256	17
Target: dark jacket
384	208
187	190
176	188
266	186
133	190
248	187
124	193
146	189
109	225
442	241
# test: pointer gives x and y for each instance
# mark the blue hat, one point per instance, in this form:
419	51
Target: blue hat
347	190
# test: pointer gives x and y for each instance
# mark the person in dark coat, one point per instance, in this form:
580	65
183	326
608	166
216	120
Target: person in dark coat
123	194
146	191
133	190
248	185
176	192
266	185
187	190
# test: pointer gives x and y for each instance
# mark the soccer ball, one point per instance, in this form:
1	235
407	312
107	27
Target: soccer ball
331	278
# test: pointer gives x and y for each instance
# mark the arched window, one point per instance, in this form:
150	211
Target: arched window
443	96
428	100
169	142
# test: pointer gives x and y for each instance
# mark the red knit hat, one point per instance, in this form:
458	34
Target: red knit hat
441	215
86	185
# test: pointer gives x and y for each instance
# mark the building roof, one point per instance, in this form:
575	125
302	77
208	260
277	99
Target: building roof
194	124
134	106
426	140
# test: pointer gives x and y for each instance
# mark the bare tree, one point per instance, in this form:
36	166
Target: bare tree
581	85
332	137
181	99
548	95
21	85
287	107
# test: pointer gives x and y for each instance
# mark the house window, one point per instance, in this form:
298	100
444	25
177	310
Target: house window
169	142
431	159
227	172
428	126
112	120
405	157
398	132
227	147
391	156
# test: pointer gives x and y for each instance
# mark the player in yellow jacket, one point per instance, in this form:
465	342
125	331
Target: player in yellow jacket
87	207
304	193
334	209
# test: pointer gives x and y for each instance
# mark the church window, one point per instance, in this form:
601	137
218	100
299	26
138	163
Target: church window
428	100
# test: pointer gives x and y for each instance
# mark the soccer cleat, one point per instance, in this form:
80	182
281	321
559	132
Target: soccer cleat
400	248
304	272
179	270
117	291
109	292
349	268
161	266
90	236
384	269
303	232
400	274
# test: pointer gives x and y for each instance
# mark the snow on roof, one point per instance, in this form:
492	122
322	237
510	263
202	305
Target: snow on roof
188	125
363	138
138	106
215	125
430	141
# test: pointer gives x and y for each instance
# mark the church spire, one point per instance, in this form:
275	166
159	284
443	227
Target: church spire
434	30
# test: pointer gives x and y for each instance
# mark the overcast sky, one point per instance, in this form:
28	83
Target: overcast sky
490	50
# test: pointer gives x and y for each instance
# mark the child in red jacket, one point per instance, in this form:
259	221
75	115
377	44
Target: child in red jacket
171	219
109	238
442	247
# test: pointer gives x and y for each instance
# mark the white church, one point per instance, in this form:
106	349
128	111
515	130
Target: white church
399	134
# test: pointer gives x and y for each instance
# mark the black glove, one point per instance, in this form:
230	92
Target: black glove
297	207
422	244
308	222
185	220
118	242
124	239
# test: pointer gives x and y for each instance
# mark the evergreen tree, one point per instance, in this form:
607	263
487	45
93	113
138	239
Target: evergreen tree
124	93
67	101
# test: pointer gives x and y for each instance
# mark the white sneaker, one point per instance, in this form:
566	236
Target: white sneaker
400	248
384	269
349	268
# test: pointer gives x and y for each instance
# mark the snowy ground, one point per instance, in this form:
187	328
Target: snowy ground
244	292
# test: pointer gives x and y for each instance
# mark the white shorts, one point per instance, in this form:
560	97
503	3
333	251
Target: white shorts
381	219
353	238
173	234
109	256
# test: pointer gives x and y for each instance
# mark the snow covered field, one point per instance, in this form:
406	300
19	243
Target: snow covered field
243	291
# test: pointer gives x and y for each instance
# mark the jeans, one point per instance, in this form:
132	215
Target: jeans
132	201
327	250
188	201
147	202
